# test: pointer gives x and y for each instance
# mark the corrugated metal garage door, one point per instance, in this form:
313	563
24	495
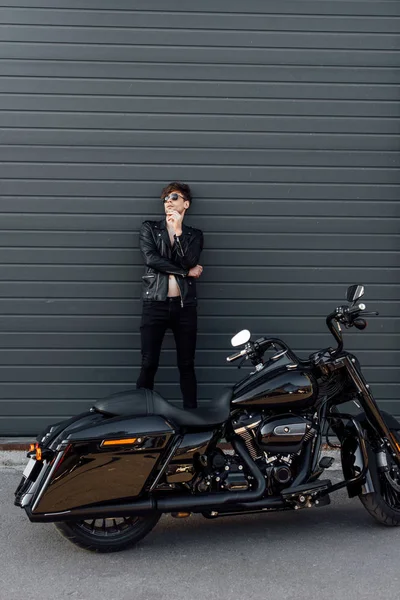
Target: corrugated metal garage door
284	116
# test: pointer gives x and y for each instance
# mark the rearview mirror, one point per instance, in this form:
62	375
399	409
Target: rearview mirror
354	292
241	338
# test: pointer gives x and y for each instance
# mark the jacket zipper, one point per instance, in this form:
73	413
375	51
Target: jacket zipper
177	241
180	291
158	274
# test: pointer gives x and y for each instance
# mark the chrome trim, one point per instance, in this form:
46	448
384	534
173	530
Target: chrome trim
64	443
294	429
46	483
276	356
166	463
63	512
27	497
29	493
245	428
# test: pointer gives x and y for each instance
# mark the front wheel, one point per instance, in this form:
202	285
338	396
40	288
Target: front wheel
384	504
108	535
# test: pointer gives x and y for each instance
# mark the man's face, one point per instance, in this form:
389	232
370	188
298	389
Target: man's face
175	201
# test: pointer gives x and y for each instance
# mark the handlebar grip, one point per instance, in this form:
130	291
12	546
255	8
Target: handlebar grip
236	356
354	309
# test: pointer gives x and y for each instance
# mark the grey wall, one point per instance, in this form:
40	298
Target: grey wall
283	116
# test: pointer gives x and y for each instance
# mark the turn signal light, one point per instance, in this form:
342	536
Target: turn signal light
118	442
32	447
38	454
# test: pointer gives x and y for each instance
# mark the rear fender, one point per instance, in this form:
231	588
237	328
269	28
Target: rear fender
46	437
48	440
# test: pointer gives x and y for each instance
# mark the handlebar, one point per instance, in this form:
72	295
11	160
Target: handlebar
255	350
355	309
237	355
347	316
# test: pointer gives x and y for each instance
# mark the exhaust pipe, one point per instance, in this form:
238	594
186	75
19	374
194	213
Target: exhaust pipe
138	508
215	500
212	500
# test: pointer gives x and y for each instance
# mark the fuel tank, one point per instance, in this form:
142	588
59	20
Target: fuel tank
288	387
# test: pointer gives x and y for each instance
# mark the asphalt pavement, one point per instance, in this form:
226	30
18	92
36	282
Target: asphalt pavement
334	552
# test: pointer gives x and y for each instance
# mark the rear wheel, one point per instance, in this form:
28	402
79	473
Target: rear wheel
384	504
108	535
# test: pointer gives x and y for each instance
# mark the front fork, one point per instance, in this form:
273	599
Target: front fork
354	456
372	412
355	450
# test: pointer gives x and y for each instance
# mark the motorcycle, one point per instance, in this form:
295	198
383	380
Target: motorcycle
105	476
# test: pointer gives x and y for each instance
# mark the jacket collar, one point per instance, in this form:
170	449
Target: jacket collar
163	225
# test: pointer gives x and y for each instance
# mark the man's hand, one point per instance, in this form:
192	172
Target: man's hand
195	271
175	220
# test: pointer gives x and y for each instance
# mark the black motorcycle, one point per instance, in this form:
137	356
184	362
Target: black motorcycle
107	475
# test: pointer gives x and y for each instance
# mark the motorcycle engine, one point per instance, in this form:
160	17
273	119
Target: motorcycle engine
275	443
222	472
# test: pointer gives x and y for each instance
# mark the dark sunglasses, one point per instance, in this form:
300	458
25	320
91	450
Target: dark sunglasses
173	197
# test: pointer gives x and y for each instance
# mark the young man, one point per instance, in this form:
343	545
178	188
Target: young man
171	253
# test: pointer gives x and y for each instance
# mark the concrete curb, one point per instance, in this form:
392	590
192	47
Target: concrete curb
12	444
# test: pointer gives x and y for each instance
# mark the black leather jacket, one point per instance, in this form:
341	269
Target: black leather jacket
163	260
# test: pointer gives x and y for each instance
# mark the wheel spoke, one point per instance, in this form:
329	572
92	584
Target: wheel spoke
108	526
389	491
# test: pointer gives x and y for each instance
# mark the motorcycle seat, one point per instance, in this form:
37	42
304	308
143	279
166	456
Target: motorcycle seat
143	402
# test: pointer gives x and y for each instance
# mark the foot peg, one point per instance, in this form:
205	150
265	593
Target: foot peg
307	495
326	462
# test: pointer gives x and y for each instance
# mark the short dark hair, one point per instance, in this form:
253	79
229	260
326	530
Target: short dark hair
177	186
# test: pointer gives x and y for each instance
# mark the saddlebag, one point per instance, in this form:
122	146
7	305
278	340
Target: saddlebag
107	461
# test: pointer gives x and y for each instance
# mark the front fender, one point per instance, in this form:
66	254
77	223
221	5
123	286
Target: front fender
353	460
353	463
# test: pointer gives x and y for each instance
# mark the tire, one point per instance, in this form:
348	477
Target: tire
384	504
108	535
379	510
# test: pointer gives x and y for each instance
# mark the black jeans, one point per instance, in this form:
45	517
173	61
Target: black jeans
157	317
